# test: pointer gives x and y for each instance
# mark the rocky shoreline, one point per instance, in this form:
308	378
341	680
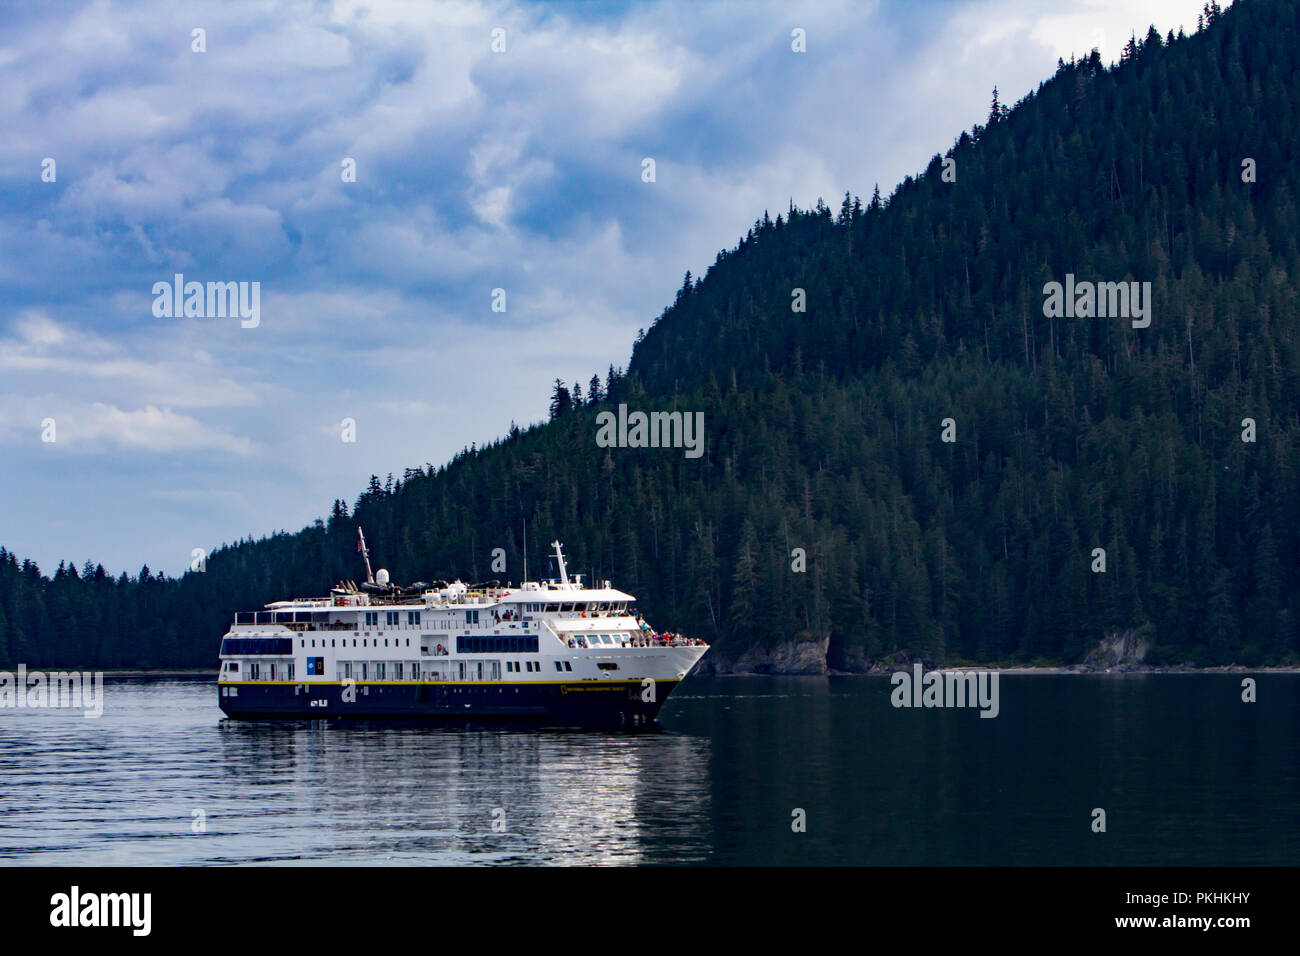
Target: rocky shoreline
1122	652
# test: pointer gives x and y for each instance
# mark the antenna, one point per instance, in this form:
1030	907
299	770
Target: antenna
525	549
365	553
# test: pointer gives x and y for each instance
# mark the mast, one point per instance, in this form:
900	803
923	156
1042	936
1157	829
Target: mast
559	560
365	553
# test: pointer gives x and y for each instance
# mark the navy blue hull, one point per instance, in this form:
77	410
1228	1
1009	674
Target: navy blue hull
574	703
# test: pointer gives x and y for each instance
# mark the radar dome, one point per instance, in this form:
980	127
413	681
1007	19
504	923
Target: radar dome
381	576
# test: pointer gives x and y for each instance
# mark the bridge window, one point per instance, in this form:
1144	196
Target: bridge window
413	618
256	645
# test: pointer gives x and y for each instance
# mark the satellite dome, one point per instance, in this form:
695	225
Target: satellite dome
381	576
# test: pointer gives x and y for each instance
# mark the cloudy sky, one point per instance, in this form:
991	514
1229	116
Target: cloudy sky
475	169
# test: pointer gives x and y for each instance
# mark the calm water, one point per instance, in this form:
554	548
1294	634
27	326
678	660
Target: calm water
1187	773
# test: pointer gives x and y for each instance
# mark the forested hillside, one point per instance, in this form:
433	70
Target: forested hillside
823	426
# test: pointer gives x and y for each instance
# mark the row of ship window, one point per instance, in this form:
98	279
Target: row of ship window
465	644
397	642
394	618
393	670
590	607
236	646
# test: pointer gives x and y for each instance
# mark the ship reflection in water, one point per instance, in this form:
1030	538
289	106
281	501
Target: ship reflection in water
489	793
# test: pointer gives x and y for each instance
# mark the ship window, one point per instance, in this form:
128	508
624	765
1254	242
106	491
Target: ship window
568	666
558	667
391	617
234	666
412	617
607	666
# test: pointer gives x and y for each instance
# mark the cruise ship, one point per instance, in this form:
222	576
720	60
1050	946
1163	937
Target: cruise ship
555	651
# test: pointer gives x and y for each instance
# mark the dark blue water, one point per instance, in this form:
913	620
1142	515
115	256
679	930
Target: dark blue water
1186	772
